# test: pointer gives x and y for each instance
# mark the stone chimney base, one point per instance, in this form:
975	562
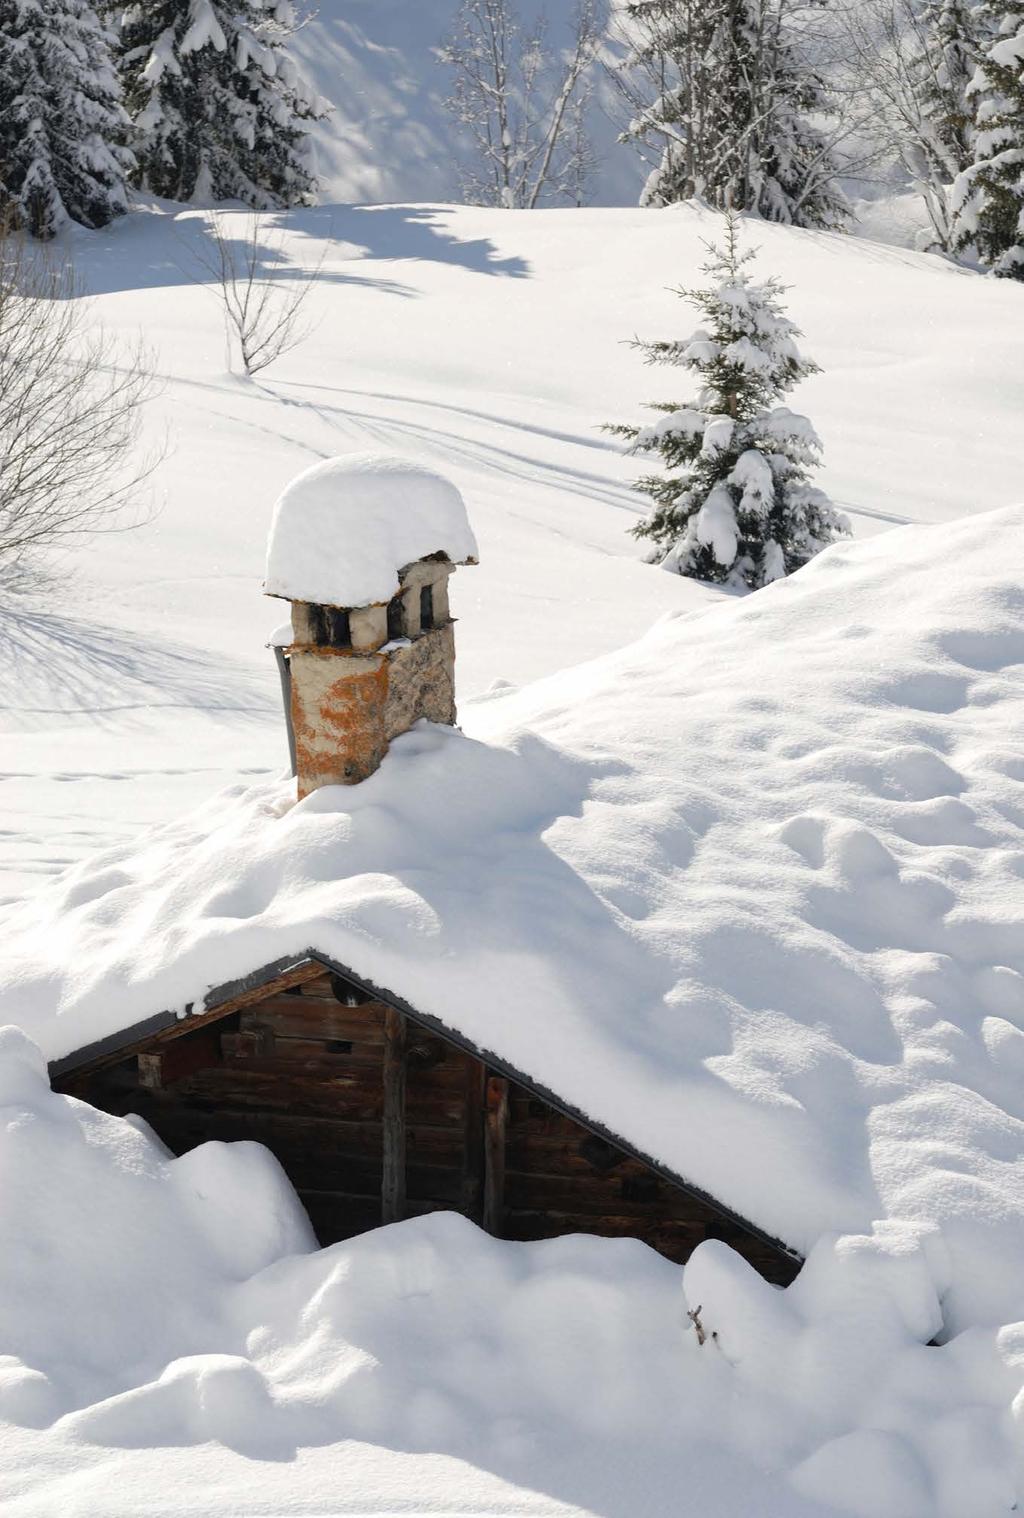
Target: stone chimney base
347	706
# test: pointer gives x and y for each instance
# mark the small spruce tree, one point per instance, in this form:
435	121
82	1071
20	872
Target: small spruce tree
735	506
217	105
62	126
988	197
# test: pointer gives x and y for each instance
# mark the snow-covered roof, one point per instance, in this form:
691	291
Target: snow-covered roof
748	893
344	528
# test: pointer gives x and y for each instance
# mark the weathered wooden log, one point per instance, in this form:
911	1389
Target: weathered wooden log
395	1065
162	1066
473	1140
495	1129
316	1017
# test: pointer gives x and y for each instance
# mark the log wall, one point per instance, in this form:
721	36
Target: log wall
374	1118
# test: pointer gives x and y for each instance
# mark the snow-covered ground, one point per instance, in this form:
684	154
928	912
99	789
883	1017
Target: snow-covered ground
761	873
199	1360
489	345
171	1344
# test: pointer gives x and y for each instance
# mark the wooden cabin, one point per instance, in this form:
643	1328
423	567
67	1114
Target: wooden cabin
377	1113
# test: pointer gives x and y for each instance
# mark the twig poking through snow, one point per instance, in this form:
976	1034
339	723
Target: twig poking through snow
698	1326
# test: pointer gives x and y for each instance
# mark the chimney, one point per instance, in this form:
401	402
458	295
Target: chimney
363	547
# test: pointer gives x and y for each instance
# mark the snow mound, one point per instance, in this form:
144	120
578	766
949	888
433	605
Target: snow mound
748	893
111	1251
344	528
157	1299
157	1311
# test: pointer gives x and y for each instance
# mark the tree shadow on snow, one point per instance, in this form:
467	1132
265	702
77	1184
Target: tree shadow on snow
126	256
53	665
414	232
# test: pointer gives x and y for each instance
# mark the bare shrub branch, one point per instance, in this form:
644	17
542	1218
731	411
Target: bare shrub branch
70	404
261	312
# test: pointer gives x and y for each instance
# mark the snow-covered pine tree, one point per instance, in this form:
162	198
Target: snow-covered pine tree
62	125
217	104
736	506
732	110
988	197
934	128
950	34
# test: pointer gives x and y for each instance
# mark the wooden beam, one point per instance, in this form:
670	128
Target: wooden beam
242	995
184	1027
473	1140
177	1060
393	1169
495	1130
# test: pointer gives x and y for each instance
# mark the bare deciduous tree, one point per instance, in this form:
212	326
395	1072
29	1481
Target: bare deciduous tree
521	105
70	402
262	311
915	81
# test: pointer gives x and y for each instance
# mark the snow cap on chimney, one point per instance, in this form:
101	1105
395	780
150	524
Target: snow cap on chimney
345	528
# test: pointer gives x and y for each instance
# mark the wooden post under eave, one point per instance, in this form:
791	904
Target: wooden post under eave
393	1169
495	1129
473	1141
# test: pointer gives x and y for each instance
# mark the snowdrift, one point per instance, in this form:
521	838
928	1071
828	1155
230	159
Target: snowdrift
748	893
170	1342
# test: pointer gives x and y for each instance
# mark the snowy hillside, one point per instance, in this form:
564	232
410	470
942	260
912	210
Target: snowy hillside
489	345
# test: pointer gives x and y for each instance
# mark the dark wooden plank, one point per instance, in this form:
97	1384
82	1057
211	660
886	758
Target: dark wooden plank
307	1017
531	1149
335	1217
356	1094
247	1043
427	1053
297	1059
594	1196
319	986
472	1202
393	1167
495	1127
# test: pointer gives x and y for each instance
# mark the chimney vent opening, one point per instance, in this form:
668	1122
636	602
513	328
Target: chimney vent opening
330	627
426	608
396	618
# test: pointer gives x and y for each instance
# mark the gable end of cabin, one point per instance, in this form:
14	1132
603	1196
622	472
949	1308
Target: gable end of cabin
377	1112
